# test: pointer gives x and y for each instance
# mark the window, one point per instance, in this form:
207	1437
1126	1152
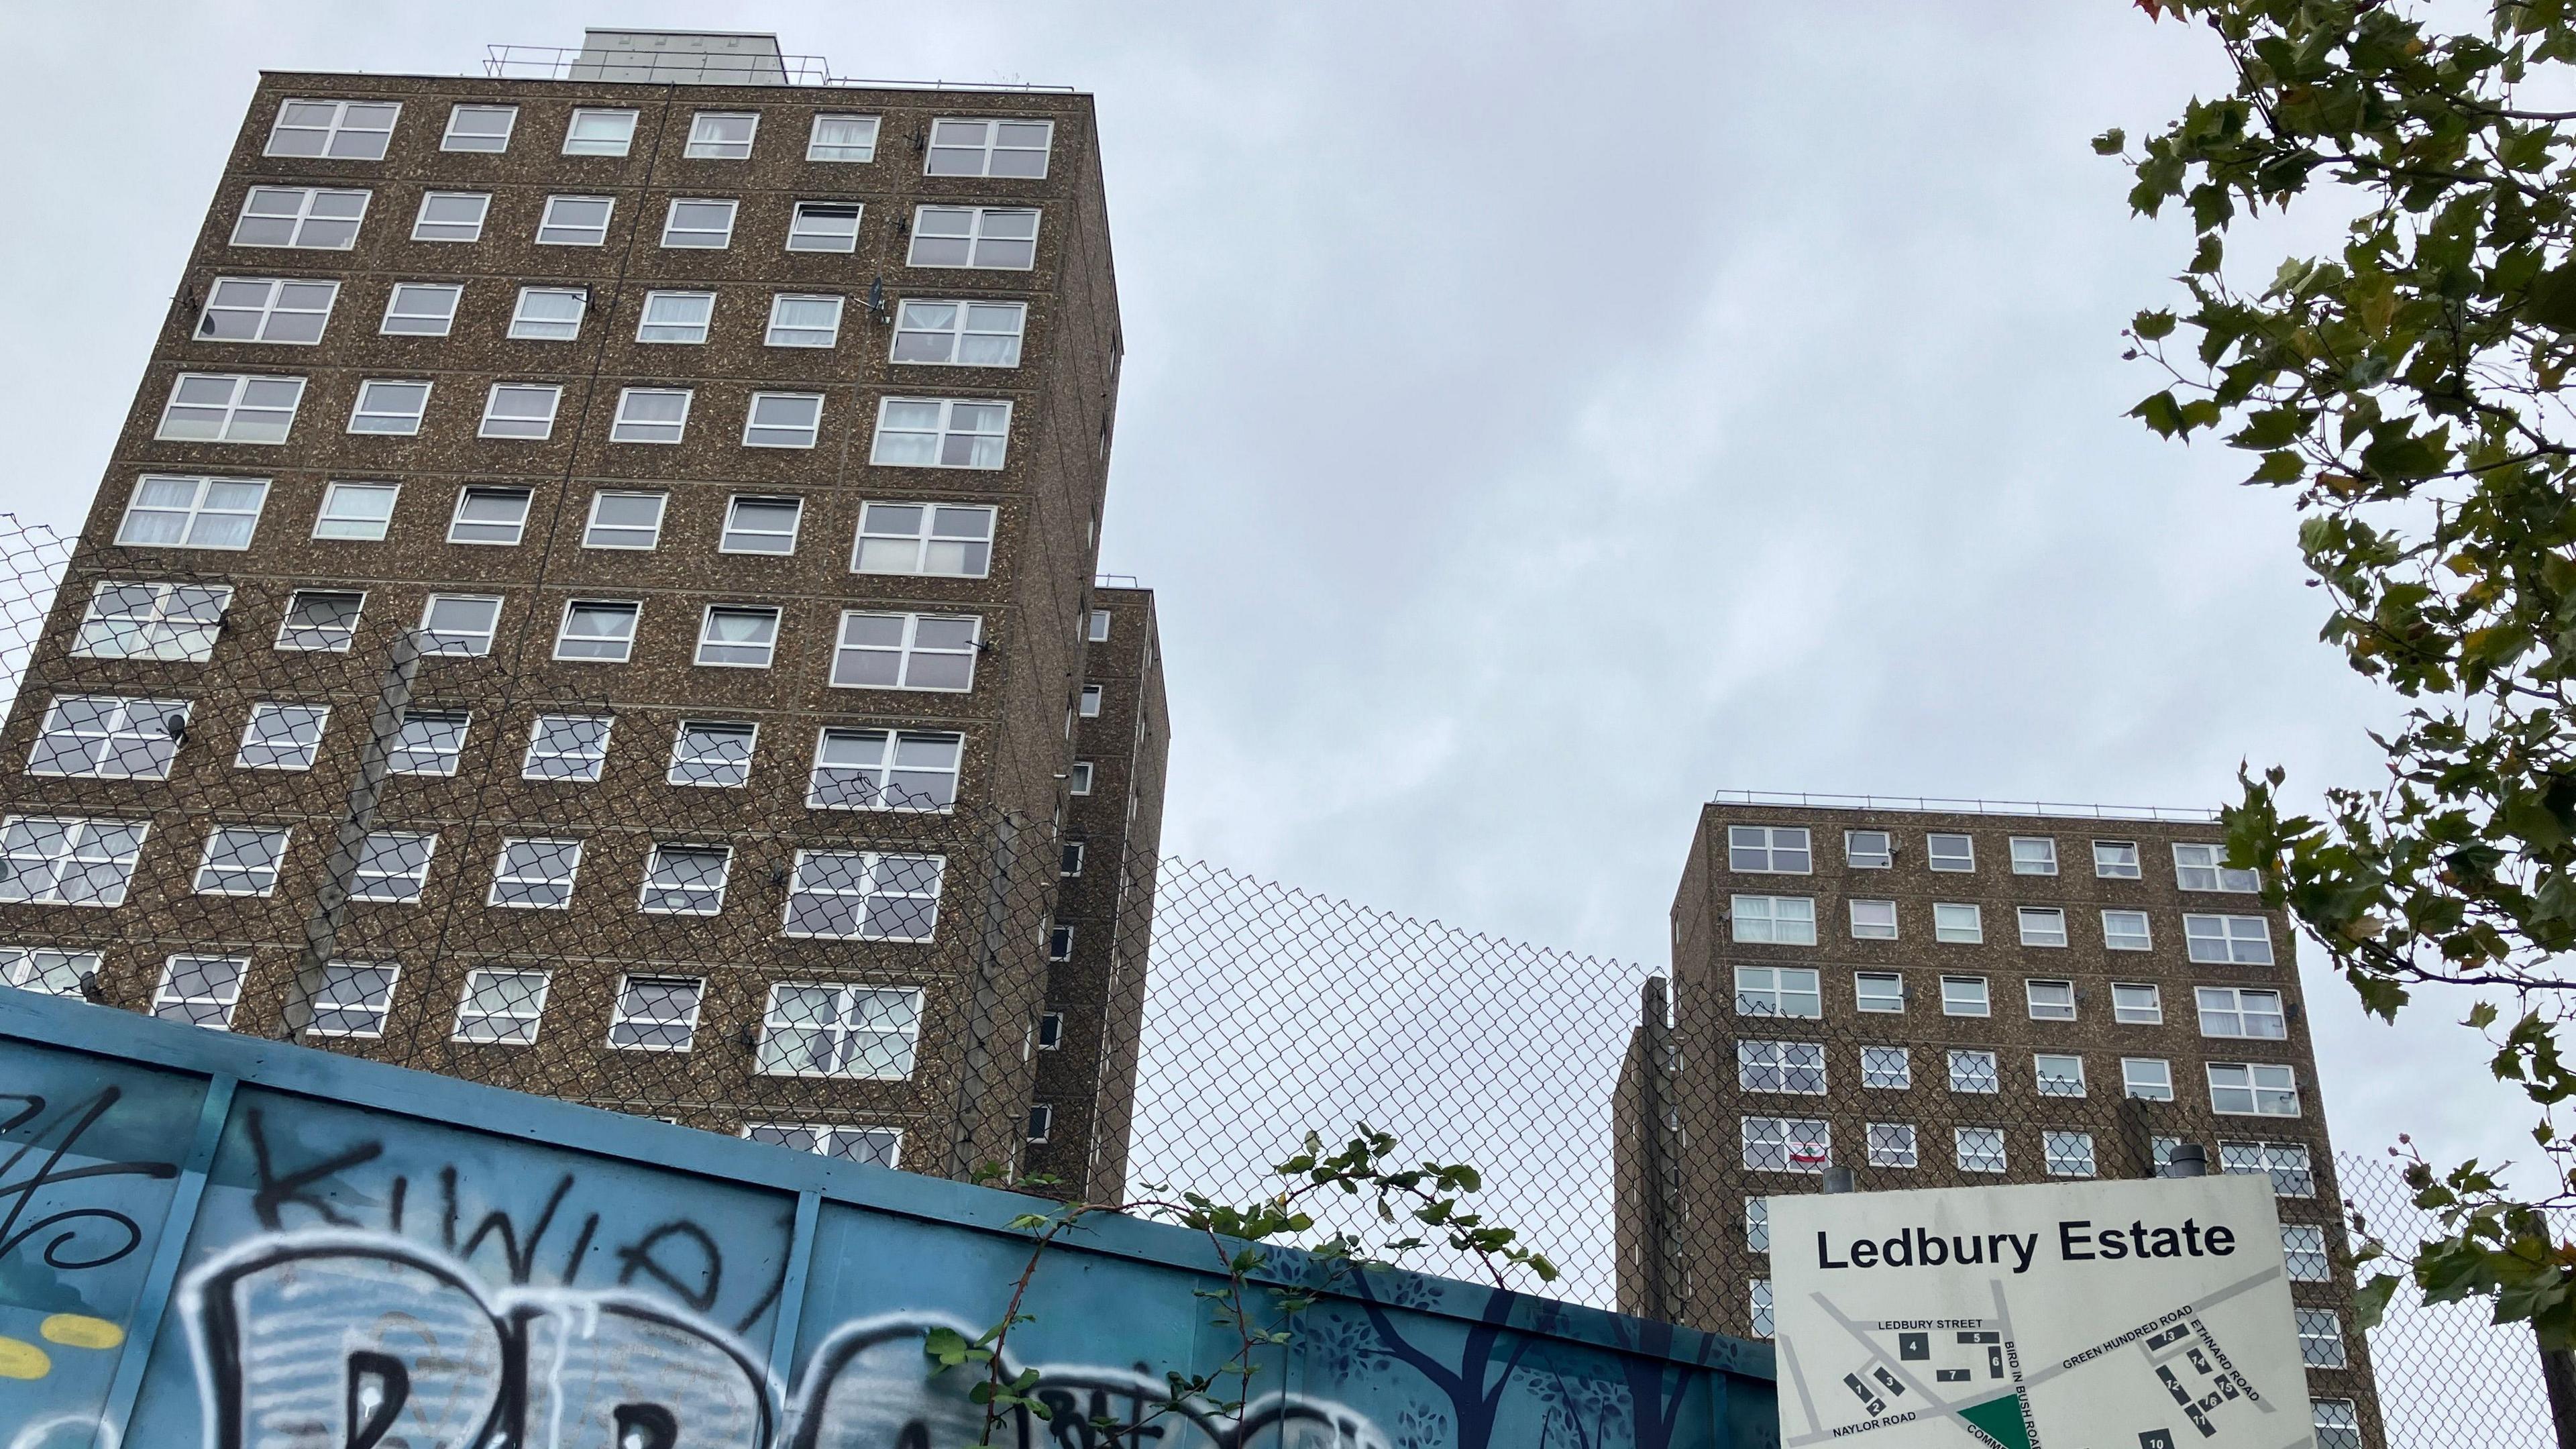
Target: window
2115	859
2228	940
2068	1154
1079	781
1960	924
2303	1248
783	420
890	770
393	866
2051	1000
2124	931
675	317
494	516
68	860
940	433
575	221
282	736
1764	849
1069	859
1873	920
2336	1423
1981	1149
960	334
996	237
428	742
1059	943
240	860
1868	849
2042	925
1964	996
1097	629
389	406
172	622
738	636
1041	1121
1891	1144
2286	1163
865	896
459	624
656	1013
2034	855
359	511
843	138
761	525
1777	991
686	880
2320	1338
702	223
650	415
1882	991
1050	1030
712	753
501	1007
1891	1068
200	990
1787	1144
109	737
624	520
451	216
354	1000
906	651
988	148
535	875
520	410
1759	1317
2137	1004
936	539
1951	852
824	226
2058	1075
264	309
1784	920
567	747
1091	698
226	407
804	321
306	218
2148	1079
322	620
2256	1089
549	314
1757	1224
1974	1072
721	135
878	1146
599	132
479	128
2204	868
2232	1011
333	130
1780	1066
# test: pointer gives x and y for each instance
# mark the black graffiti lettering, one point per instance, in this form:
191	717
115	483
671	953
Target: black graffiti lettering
646	1426
378	1387
276	1191
639	1258
580	1249
520	1256
913	1435
125	1234
394	1204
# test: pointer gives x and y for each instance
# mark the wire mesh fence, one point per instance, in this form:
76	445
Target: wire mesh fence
403	843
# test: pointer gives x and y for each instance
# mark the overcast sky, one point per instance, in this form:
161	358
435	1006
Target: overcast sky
1535	418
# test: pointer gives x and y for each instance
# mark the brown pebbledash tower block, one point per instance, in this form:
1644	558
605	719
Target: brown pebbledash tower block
730	446
1934	997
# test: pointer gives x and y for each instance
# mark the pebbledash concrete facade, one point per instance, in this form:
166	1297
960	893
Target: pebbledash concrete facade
1964	999
658	327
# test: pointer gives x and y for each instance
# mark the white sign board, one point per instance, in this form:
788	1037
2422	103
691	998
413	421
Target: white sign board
2085	1315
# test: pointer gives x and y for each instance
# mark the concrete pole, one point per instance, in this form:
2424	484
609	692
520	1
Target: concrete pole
348	846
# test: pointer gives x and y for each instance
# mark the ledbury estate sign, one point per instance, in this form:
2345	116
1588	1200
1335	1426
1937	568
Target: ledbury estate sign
213	1241
2081	1314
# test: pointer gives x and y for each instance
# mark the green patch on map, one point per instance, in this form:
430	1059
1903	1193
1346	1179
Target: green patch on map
1999	1420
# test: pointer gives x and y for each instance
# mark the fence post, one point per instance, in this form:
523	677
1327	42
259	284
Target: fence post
357	819
2558	1372
983	1020
1659	1174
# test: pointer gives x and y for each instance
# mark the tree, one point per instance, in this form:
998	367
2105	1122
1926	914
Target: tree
2412	389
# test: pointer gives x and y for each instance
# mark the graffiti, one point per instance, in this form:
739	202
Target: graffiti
82	1237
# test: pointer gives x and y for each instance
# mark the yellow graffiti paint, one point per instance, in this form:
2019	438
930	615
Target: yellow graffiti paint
20	1359
79	1330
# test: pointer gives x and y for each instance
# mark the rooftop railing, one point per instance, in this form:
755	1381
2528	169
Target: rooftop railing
555	62
1936	806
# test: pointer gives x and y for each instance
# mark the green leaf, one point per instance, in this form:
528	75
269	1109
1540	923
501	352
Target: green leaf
2111	142
2370	1305
2551	302
2153	325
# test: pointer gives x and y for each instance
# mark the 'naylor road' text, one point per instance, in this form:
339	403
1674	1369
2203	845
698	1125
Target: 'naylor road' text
2078	1241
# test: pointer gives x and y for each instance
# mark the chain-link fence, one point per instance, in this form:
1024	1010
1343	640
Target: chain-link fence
392	841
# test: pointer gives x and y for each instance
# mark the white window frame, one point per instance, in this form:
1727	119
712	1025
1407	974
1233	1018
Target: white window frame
656	1030
2033	854
1783	1138
525	328
926	542
576	144
733	524
977	220
596	760
2290	1165
435	642
1893	1144
1875	1068
235	418
876	783
195	516
2254	1084
592	526
2116	860
1991	1153
379	409
272	744
908	651
76	840
437	748
337	1012
782	333
2226	940
2143	939
575	234
1097	631
209	999
174	623
696	766
668	296
2248	1006
269	311
1093	697
2305	1243
301	217
1777	991
448	140
705	146
2050	1010
2057	1083
337	127
297	634
2202	866
653	867
1959	1001
448	230
1975	1072
956	332
1786	1068
511	1021
694	238
108	736
2042	926
827	876
517	426
1961	861
948	137
1761	919
225	854
2068	1154
371	881
944	433
403	306
2151	1014
1769	849
828	240
2148	1079
646	431
758	432
815	145
1958	923
1856	856
1874	928
768	647
2321	1342
594	646
1880	993
472	529
536	869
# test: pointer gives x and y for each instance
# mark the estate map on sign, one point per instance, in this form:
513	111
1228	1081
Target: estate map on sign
2090	1315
